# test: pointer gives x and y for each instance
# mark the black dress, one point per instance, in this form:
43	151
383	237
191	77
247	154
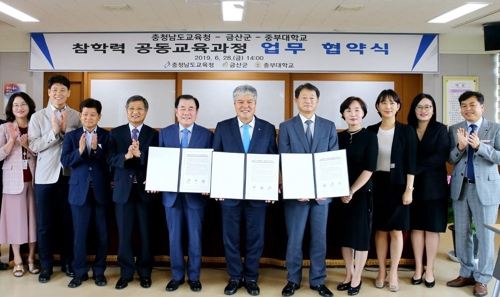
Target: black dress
429	209
353	220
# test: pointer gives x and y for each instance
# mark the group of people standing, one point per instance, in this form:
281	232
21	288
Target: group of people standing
397	174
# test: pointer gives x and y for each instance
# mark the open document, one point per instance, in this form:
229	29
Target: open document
186	170
318	175
245	176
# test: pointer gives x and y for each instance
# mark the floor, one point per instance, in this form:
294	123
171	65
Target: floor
272	281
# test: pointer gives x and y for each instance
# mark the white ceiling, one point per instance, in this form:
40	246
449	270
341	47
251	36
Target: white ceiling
381	16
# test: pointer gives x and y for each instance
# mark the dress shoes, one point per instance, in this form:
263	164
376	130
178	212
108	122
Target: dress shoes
195	286
122	283
100	280
4	266
322	290
344	287
146	282
461	282
232	286
480	289
252	287
44	276
354	290
416	281
174	285
68	269
289	289
78	280
429	284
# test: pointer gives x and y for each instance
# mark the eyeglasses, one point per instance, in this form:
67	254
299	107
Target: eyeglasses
425	107
19	105
131	109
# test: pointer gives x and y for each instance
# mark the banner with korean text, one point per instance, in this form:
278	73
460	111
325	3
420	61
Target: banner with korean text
219	51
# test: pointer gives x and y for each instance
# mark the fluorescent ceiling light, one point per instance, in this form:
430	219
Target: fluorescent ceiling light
16	13
458	12
232	11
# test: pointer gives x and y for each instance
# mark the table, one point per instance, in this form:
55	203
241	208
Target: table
496	273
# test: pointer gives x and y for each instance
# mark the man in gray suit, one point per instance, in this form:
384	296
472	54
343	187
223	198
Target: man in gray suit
475	184
307	133
46	132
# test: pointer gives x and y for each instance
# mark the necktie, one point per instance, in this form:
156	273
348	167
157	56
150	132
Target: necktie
88	139
135	133
470	156
246	137
308	133
184	142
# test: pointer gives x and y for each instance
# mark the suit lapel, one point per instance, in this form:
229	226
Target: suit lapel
194	137
256	134
318	129
483	129
299	129
235	129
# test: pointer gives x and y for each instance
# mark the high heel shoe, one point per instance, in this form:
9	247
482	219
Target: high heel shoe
394	288
417	281
380	285
354	290
33	268
18	270
429	284
344	286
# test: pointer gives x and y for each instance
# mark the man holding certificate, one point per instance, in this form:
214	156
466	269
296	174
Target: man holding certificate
185	208
306	133
244	133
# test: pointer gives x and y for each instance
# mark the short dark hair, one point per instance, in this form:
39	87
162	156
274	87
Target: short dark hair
91	103
389	93
468	94
9	115
412	117
306	86
137	98
347	102
61	79
187	97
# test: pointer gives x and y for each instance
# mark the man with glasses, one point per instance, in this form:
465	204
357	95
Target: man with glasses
128	156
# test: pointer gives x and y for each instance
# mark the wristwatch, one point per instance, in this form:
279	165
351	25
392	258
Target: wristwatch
410	188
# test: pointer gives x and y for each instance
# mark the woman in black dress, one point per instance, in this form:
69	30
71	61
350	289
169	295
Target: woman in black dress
392	185
428	212
355	211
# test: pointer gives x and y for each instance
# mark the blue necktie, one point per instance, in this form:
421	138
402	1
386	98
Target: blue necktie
246	137
309	134
470	156
135	133
184	142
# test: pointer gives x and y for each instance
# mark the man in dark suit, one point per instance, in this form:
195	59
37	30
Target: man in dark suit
244	133
185	208
307	133
128	155
84	151
3	266
475	184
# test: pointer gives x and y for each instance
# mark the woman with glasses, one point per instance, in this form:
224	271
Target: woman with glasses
354	212
17	218
392	185
428	212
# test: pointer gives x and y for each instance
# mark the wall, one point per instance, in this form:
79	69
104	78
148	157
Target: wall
483	66
13	68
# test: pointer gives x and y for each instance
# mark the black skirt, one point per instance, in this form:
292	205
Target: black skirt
389	212
429	215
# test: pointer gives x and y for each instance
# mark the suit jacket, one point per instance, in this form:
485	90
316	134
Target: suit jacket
292	138
227	138
119	141
403	152
87	167
431	172
486	160
47	145
13	176
200	138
